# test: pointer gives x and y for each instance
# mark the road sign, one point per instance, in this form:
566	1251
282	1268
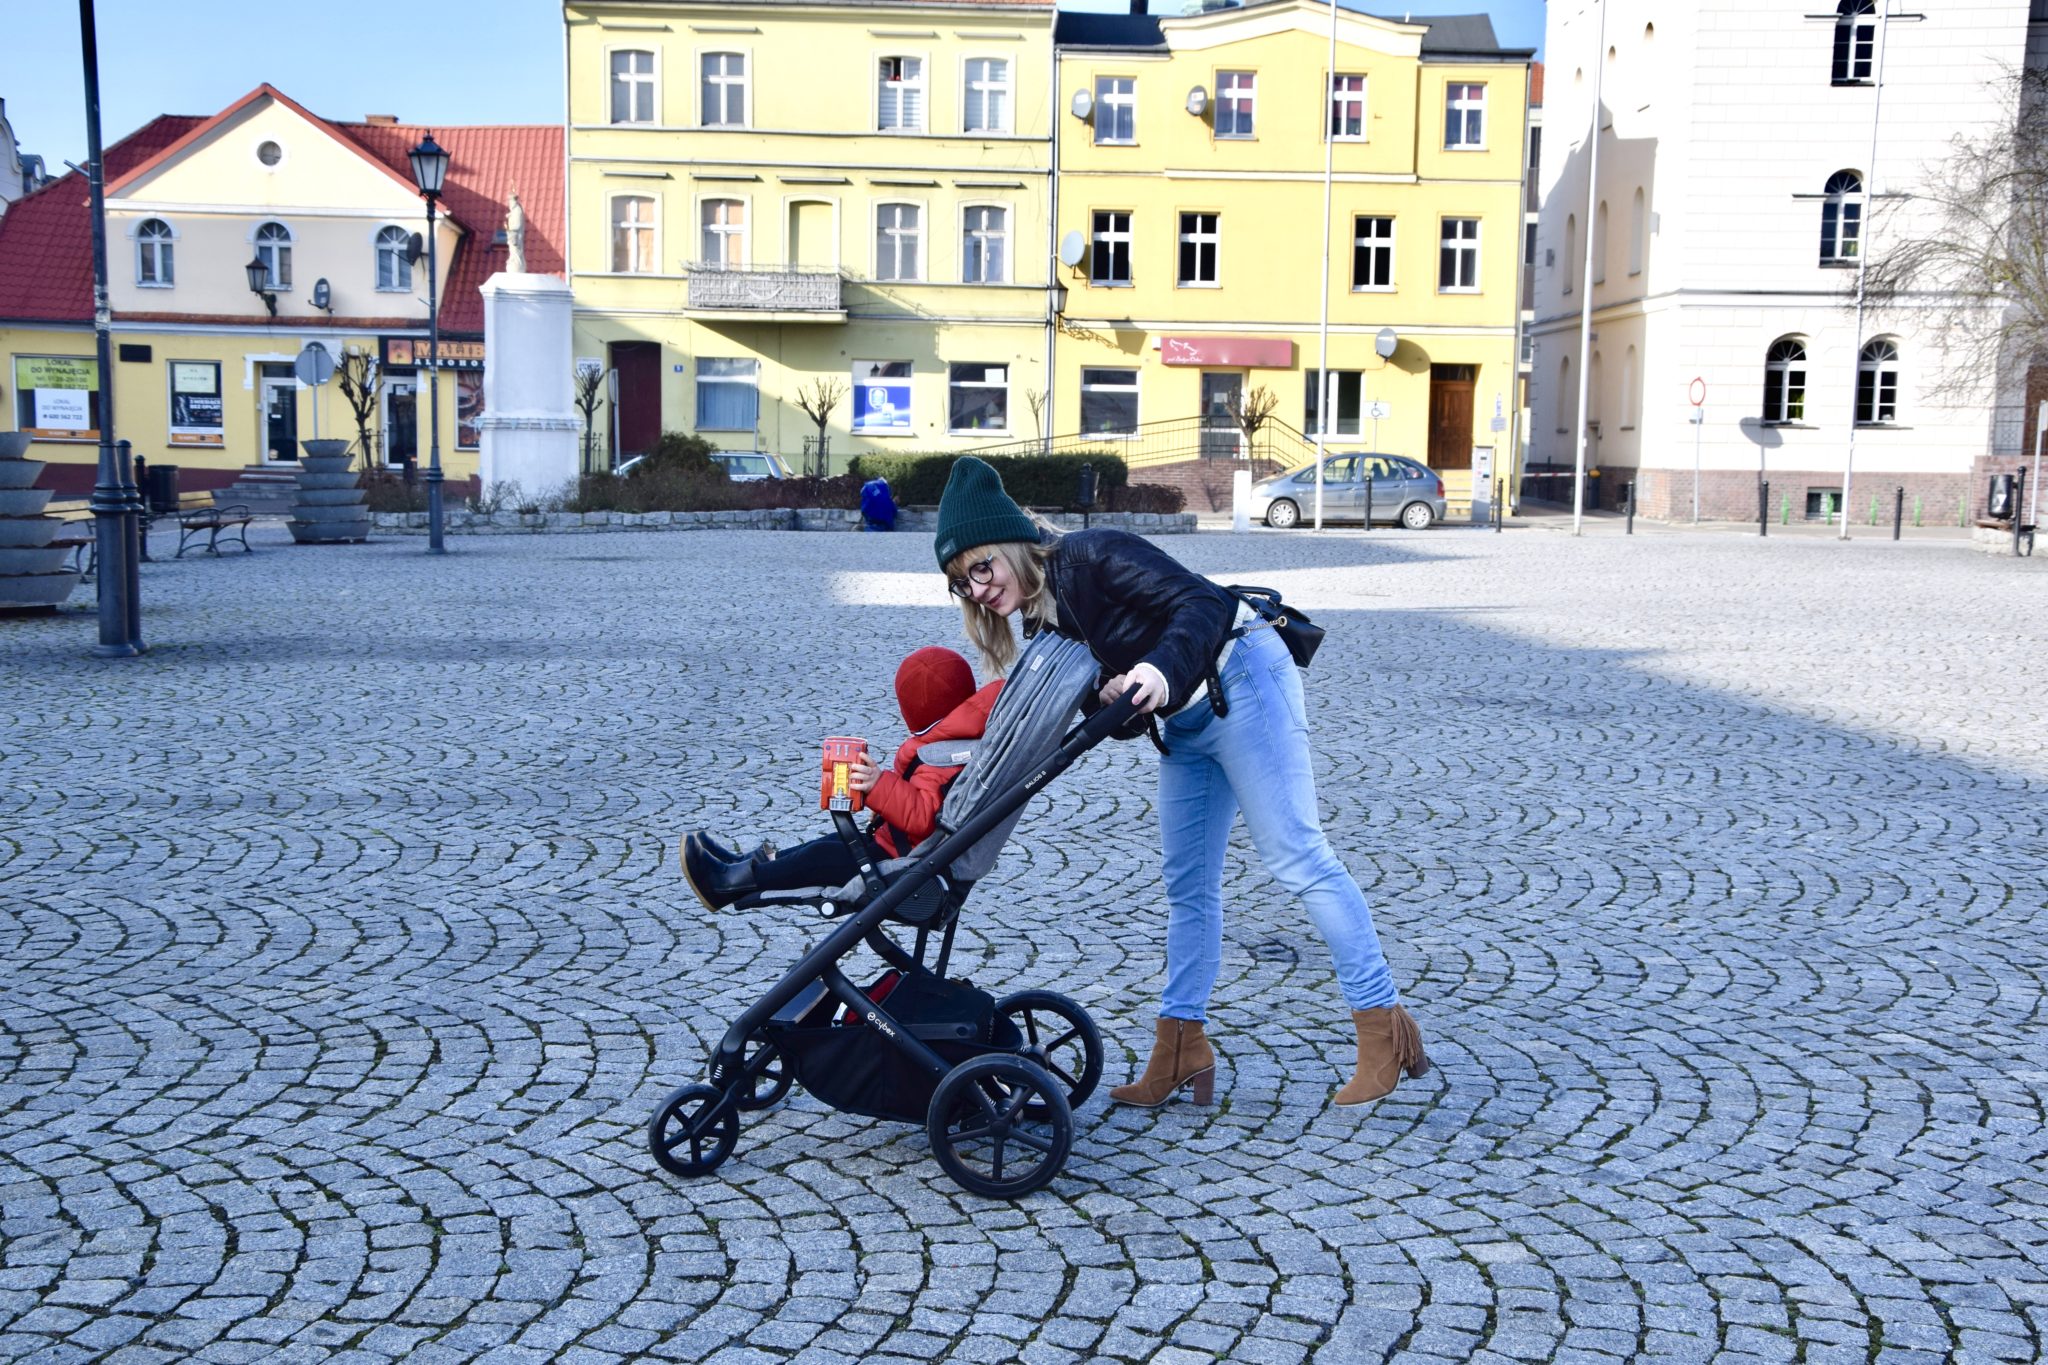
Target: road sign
1697	391
1379	410
315	365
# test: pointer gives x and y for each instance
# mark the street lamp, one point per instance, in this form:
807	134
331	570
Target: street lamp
259	282
429	169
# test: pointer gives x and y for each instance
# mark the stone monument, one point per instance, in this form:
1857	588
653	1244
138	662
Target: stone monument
529	423
32	572
329	505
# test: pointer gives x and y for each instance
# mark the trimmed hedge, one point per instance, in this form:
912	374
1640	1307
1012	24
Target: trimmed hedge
1033	480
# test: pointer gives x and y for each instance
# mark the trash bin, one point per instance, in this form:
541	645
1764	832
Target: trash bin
161	490
1998	504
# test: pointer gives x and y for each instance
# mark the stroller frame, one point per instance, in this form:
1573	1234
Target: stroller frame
1000	1120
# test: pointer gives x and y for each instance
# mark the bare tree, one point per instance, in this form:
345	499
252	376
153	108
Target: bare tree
1966	249
1250	411
589	398
357	377
817	399
1035	400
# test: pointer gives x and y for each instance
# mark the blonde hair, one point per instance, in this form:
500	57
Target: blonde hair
993	637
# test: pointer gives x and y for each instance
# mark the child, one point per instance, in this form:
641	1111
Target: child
935	692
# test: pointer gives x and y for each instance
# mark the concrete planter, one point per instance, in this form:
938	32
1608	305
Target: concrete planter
24	533
327	506
32	576
17	472
24	502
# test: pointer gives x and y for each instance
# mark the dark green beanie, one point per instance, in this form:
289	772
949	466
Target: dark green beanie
974	510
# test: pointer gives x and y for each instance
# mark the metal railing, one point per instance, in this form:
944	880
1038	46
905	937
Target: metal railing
1183	438
786	289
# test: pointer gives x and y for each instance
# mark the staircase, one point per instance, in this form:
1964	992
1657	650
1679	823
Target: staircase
267	489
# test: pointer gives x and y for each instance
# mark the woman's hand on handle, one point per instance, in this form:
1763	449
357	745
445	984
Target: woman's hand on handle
1151	685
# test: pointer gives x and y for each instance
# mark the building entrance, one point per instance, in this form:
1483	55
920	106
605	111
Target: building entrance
279	396
1222	393
1450	416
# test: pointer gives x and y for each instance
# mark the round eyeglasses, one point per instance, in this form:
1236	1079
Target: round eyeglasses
982	572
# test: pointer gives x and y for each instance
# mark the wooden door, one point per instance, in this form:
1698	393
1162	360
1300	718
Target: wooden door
639	416
1450	416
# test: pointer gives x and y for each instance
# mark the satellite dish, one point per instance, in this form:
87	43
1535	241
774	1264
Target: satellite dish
1072	247
1083	105
1198	100
415	247
323	296
1384	342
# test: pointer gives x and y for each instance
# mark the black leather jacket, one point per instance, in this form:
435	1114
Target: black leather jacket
1130	602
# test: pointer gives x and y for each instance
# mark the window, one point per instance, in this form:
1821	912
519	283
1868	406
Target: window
978	398
1638	222
633	234
1347	108
1372	253
1528	244
1236	103
274	249
881	397
725	232
983	245
1116	109
899	98
899	242
1877	383
1535	148
1109	263
394	271
988	96
1570	264
269	153
1567	396
1855	41
722	89
632	87
1198	241
1631	407
153	255
1464	117
728	393
1841	218
1457	269
1785	381
195	403
1350	387
1600	243
1109	402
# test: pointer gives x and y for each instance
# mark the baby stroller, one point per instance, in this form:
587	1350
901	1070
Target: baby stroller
995	1082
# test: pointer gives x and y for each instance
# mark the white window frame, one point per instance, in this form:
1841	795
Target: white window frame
1361	97
1373	243
267	252
1778	372
1098	235
378	246
1213	239
1245	96
1105	99
1457	105
953	383
968	230
705	230
612	226
1007	86
651	78
1460	244
752	381
1854	20
164	249
1317	382
1872	362
923	241
1842	217
744	82
922	84
1133	388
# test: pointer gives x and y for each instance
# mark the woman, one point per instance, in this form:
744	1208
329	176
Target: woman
1175	635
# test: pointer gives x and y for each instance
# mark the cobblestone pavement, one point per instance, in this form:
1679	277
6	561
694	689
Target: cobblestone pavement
345	957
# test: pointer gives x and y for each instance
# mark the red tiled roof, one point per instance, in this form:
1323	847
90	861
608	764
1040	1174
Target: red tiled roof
46	238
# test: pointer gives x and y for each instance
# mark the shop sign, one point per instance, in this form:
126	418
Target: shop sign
1235	353
881	397
195	403
455	355
56	398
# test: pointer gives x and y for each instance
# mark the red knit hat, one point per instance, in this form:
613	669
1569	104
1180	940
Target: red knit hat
929	684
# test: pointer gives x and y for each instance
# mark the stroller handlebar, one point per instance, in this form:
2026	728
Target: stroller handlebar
1107	721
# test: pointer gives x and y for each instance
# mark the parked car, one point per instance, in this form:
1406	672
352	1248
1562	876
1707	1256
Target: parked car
1403	491
744	466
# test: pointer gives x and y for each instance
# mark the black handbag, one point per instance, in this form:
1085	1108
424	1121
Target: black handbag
1302	636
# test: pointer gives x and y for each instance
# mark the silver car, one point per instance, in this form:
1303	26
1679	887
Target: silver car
1403	491
745	466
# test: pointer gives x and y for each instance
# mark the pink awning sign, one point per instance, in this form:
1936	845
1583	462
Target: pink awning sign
1244	353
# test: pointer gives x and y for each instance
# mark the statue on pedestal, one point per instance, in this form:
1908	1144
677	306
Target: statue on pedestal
515	237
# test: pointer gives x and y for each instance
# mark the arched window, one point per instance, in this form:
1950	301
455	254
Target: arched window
1785	381
154	267
274	249
1841	219
1631	397
1567	396
1600	243
1877	383
1638	229
1593	391
394	270
1855	41
1570	263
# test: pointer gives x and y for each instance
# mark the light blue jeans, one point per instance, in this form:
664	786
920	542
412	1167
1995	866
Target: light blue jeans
1256	759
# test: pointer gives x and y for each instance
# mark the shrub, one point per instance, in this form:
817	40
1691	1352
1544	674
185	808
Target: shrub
676	453
684	488
391	493
1146	497
1033	480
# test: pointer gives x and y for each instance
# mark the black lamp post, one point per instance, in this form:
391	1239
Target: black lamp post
429	169
259	282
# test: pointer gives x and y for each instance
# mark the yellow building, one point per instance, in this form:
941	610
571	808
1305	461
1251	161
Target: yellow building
766	196
1190	204
203	364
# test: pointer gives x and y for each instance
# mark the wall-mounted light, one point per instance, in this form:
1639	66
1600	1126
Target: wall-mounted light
1198	101
259	282
1083	105
1059	299
323	296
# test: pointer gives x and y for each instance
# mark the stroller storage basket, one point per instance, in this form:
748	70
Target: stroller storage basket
843	1063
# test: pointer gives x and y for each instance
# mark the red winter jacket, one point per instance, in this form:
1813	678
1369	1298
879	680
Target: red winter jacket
906	800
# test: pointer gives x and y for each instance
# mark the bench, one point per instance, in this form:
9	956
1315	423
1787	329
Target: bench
194	522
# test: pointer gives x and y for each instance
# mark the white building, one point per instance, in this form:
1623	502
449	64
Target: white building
1740	145
18	174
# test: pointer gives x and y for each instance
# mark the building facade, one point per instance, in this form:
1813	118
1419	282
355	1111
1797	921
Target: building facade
19	173
1741	148
768	197
203	362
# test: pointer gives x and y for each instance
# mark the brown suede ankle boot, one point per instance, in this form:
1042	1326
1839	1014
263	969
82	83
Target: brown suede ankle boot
1388	1044
1181	1056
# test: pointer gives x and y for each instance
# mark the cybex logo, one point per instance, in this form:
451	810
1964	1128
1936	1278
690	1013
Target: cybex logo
877	1021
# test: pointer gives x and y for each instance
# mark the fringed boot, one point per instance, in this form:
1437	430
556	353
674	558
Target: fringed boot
1389	1043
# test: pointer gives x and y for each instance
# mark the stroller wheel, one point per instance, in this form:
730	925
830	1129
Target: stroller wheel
766	1088
1000	1126
1060	1037
685	1136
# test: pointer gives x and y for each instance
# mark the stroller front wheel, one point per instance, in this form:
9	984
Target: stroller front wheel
1060	1037
691	1135
765	1088
1000	1126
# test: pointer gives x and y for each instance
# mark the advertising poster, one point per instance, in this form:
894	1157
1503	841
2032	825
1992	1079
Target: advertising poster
195	403
56	398
469	406
881	397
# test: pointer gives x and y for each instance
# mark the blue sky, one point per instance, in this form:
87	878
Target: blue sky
501	63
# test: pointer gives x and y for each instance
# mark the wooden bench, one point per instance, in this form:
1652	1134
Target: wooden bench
78	536
210	522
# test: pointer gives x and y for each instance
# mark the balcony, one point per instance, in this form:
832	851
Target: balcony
764	294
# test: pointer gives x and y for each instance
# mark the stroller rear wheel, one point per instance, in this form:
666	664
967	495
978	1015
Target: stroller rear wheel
1060	1037
766	1087
1000	1126
684	1135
